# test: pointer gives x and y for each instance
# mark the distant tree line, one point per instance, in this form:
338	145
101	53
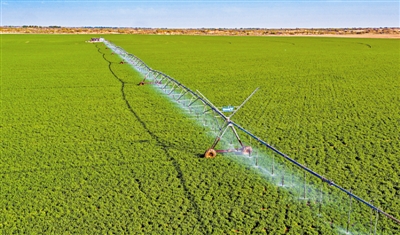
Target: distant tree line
37	26
200	31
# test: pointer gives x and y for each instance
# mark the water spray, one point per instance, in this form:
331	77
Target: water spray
201	106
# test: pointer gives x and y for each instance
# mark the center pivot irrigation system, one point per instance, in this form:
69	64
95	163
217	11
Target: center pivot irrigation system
227	124
198	105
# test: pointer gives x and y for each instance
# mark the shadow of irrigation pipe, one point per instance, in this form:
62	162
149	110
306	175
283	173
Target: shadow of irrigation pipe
163	146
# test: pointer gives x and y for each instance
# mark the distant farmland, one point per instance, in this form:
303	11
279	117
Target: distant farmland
86	150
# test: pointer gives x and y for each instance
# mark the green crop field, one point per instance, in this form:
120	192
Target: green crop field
84	150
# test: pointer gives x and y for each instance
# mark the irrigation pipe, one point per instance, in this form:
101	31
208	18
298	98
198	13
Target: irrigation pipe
143	66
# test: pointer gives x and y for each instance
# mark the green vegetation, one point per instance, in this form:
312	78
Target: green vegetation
86	150
330	103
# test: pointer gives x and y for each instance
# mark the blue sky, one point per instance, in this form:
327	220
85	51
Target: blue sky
206	13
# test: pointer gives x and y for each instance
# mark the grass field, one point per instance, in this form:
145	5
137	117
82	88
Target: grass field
329	103
86	150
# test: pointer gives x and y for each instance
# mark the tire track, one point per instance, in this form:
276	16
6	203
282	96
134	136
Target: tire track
365	44
163	145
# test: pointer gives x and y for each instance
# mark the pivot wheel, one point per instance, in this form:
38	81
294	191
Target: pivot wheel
210	153
247	150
